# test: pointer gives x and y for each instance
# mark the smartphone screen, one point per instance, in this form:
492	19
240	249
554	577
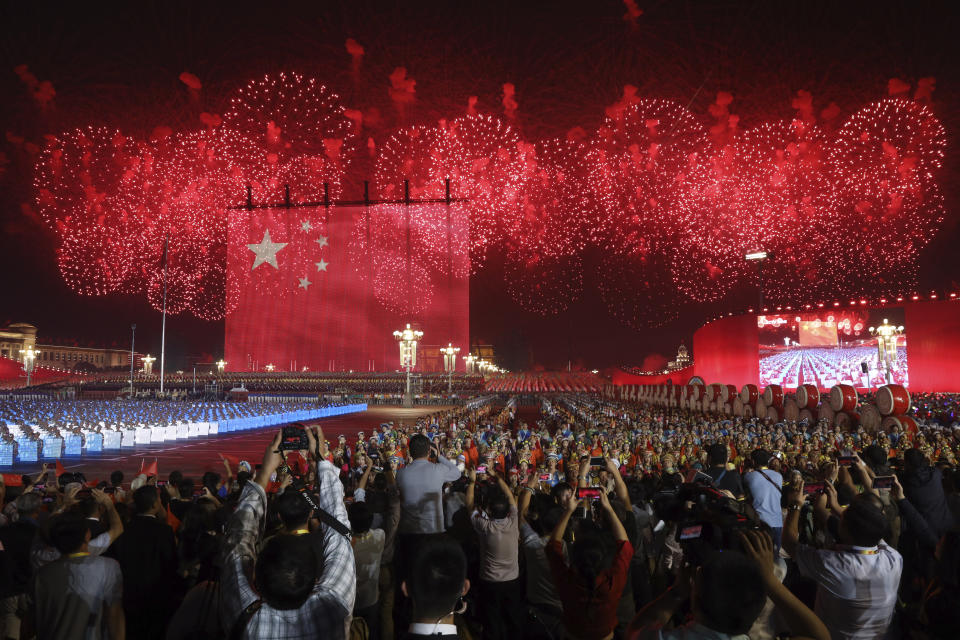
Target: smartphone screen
544	477
591	493
482	468
883	482
690	532
846	461
597	462
811	488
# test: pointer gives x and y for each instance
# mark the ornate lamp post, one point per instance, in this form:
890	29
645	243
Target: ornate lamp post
407	340
29	357
450	363
148	361
469	360
221	365
887	346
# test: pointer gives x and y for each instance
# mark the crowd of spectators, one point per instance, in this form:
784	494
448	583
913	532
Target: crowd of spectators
595	520
293	382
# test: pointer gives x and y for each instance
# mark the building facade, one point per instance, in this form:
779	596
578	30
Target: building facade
20	336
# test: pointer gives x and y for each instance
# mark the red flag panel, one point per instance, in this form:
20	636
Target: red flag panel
325	288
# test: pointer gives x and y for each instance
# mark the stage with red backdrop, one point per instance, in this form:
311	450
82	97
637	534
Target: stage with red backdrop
827	346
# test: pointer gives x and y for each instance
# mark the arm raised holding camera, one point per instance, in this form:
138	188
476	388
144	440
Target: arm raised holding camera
339	570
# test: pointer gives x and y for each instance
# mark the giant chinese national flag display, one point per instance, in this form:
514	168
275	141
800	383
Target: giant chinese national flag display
324	288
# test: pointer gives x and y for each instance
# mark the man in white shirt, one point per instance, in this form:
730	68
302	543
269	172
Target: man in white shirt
497	528
421	488
857	581
367	553
421	505
764	485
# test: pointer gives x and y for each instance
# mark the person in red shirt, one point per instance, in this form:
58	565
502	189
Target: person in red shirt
590	588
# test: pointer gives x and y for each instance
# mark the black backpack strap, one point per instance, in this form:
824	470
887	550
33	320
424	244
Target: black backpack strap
236	633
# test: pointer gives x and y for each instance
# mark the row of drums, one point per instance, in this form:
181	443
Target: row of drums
841	407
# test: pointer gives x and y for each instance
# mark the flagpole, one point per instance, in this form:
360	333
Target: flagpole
163	325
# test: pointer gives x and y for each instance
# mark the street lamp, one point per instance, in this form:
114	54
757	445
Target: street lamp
221	365
407	340
269	367
148	361
29	356
469	361
758	257
887	346
450	363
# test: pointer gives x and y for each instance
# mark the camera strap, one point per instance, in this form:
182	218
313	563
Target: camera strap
332	522
240	625
325	517
770	480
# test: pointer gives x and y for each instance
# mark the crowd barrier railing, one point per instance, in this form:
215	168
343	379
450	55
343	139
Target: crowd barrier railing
92	442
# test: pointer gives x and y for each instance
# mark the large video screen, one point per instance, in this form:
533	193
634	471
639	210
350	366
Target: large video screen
324	289
830	347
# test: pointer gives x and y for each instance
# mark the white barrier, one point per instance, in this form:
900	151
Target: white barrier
113	440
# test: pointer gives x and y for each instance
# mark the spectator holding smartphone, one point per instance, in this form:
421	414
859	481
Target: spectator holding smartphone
421	497
497	527
591	585
78	595
286	590
856	580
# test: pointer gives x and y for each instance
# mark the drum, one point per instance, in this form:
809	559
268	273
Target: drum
791	411
808	396
747	411
826	412
749	393
727	409
843	397
760	410
728	393
773	395
905	423
696	391
713	391
738	406
846	420
893	400
806	414
870	418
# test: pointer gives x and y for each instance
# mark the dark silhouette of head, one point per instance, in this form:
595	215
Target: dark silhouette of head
438	579
293	509
286	571
717	454
419	446
728	594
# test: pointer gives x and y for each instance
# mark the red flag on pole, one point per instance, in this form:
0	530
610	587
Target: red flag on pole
60	469
150	469
233	460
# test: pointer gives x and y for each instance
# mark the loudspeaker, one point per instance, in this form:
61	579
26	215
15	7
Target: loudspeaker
864	367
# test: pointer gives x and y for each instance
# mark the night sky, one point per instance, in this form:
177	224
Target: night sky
119	64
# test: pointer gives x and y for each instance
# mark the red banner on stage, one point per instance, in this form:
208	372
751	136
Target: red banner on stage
324	288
